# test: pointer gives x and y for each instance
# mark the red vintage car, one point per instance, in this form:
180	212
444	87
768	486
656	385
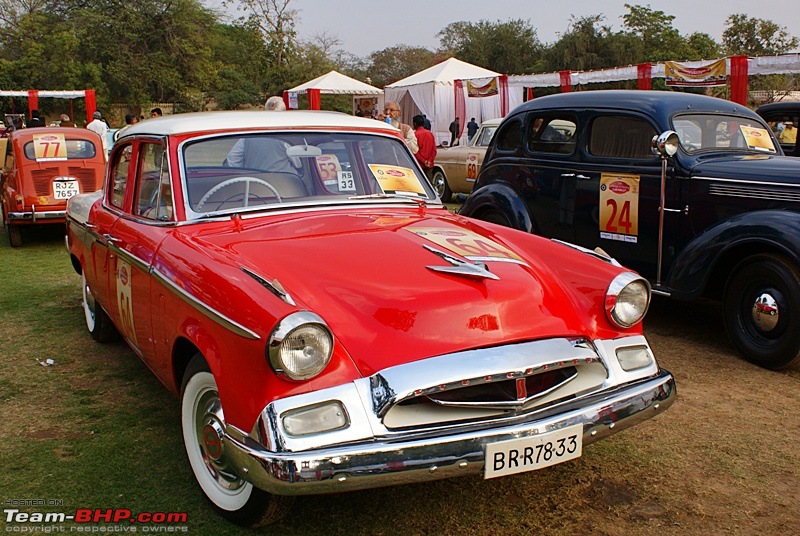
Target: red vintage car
42	169
330	326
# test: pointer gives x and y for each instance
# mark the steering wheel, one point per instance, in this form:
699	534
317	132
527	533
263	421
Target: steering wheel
229	182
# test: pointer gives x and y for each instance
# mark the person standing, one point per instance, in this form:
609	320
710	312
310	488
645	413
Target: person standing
35	121
789	134
156	112
455	128
100	127
472	129
130	119
427	121
427	146
391	112
65	121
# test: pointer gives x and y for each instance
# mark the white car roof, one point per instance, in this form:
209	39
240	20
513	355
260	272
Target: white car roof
492	122
241	120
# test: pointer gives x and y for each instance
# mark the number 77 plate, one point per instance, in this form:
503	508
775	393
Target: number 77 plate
534	452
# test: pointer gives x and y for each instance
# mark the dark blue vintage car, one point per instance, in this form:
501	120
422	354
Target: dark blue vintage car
691	191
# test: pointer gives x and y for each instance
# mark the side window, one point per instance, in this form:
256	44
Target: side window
616	136
120	177
551	134
153	198
508	137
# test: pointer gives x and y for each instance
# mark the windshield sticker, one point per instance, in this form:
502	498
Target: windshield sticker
757	138
48	147
473	159
469	245
619	207
397	180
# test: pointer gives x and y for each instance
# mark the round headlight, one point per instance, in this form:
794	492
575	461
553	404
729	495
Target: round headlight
301	346
627	299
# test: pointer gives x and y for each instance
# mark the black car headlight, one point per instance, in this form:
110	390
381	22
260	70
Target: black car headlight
300	346
627	299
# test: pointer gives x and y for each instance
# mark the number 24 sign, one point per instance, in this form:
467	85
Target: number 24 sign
619	204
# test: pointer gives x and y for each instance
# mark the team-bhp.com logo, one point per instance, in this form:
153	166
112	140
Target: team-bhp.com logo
122	519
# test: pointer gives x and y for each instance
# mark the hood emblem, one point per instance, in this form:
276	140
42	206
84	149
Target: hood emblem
473	270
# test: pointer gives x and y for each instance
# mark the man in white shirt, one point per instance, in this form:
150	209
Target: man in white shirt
98	125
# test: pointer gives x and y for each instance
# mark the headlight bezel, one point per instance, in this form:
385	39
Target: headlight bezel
622	284
284	331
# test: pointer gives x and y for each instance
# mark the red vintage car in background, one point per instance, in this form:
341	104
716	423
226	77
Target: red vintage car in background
330	326
42	168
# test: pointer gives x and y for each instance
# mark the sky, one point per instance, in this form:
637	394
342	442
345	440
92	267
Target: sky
364	27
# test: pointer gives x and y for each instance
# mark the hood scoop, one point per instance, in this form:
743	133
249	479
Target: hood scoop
273	286
472	270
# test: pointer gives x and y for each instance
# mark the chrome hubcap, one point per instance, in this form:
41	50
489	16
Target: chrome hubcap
209	427
766	312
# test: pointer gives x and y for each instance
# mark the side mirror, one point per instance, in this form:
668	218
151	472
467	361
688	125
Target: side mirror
666	144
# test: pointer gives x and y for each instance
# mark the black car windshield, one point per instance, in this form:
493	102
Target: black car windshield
230	173
718	132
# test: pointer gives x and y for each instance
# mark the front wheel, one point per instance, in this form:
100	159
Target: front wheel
441	186
762	311
203	424
494	216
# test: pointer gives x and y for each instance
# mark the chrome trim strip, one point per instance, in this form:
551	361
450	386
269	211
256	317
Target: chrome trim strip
476	270
213	314
133	259
376	463
748	182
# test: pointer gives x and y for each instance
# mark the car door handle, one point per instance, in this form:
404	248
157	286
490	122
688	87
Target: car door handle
576	175
90	225
112	239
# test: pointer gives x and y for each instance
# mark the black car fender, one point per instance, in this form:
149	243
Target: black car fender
502	198
704	265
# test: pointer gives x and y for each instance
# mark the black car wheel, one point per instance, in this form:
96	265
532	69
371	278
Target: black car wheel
14	236
494	216
762	311
203	424
441	186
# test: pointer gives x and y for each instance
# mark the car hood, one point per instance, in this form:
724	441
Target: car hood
367	275
758	168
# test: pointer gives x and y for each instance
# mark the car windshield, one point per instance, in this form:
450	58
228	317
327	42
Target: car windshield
704	132
484	136
226	174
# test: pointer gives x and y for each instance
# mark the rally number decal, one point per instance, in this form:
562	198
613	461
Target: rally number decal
473	159
619	207
467	244
49	147
125	300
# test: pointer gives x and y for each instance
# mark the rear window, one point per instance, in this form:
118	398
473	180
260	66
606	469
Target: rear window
76	149
508	138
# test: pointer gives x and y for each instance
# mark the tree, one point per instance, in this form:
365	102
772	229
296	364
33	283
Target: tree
395	63
510	47
755	37
657	39
586	45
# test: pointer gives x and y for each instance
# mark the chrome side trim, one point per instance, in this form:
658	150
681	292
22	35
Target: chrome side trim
127	255
210	312
747	182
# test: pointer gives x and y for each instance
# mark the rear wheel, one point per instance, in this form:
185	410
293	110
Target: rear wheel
14	235
441	186
203	423
97	321
762	311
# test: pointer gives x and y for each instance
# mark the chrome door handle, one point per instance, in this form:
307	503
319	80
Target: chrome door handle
576	175
112	239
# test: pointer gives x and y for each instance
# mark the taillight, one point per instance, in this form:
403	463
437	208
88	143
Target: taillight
20	202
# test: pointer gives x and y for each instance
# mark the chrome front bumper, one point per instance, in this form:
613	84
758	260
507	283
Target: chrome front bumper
419	458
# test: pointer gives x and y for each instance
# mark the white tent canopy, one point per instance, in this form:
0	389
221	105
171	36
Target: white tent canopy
430	92
335	83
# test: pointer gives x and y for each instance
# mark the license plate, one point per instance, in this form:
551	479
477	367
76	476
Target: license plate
65	189
535	452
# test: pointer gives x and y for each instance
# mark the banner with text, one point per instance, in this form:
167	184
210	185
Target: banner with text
681	75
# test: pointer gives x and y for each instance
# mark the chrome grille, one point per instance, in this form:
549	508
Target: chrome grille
769	193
